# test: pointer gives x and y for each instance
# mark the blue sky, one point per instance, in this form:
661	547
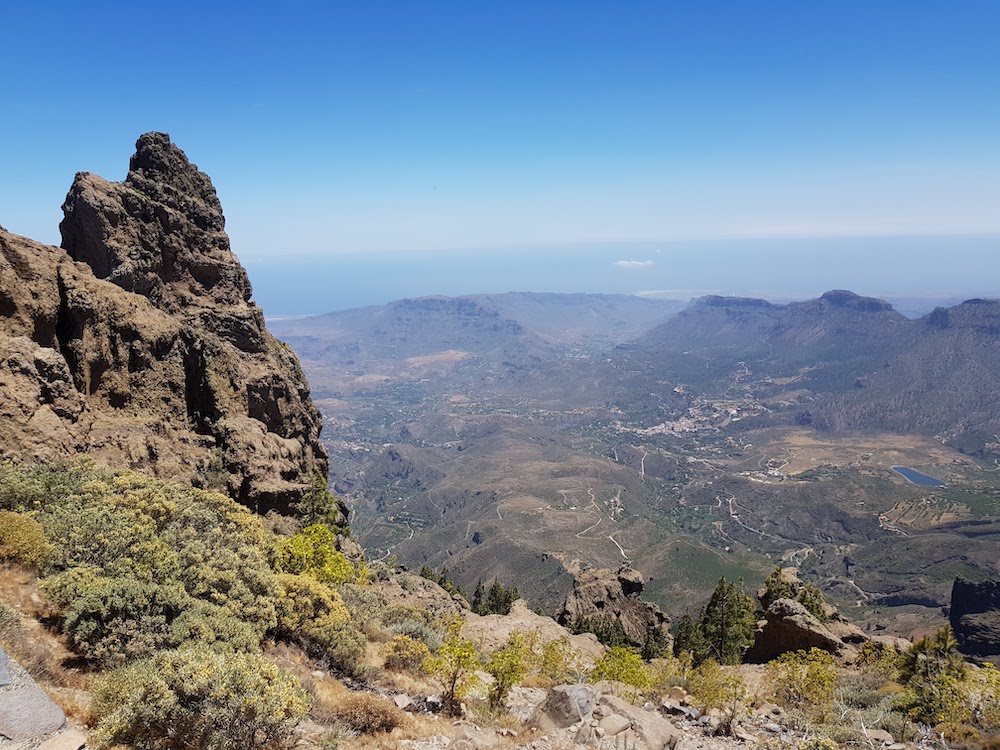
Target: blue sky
352	129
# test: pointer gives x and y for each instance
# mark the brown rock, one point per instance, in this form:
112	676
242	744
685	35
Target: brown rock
601	593
791	627
565	706
149	352
490	632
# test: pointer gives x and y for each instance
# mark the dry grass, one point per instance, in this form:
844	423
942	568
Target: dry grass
38	649
364	713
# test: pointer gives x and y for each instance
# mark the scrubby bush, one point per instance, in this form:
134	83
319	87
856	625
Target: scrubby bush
804	680
305	603
112	621
197	699
22	540
558	661
933	672
367	713
405	653
454	665
366	606
313	552
670	670
506	666
623	664
714	686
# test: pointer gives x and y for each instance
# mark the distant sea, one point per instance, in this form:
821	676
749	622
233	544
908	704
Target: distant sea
917	272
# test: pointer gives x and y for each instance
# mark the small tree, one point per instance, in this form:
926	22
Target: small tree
506	666
714	687
727	623
805	680
319	505
454	665
623	664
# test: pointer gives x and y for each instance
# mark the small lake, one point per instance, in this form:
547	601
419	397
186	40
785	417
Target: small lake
917	478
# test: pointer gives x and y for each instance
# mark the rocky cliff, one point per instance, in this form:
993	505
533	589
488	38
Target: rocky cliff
975	617
139	343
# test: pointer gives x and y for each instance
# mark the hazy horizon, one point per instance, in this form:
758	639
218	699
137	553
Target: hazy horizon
787	269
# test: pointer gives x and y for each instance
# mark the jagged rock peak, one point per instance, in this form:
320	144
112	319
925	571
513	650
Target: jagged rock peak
168	368
158	164
160	233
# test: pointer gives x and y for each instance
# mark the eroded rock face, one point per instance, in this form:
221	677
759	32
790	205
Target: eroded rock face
789	626
602	593
148	351
975	616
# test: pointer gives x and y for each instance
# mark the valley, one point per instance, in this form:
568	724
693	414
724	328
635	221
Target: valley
723	439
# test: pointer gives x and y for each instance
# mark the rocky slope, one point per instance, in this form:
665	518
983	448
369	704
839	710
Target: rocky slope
139	343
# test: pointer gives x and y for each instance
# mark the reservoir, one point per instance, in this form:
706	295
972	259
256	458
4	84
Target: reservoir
917	478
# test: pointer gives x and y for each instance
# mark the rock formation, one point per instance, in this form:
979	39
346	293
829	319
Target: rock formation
614	596
789	626
975	616
139	343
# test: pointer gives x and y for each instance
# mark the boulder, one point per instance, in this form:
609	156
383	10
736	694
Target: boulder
789	626
652	731
565	706
27	713
71	739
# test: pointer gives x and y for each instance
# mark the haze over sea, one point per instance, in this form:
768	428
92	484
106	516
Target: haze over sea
777	269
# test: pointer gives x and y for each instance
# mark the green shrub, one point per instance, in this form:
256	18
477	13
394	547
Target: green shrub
404	653
197	699
305	603
506	667
454	665
341	646
313	552
112	621
713	686
22	540
933	672
804	680
623	664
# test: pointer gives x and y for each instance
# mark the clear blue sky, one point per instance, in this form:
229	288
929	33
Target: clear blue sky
348	128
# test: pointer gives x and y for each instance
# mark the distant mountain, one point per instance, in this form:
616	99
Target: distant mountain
854	361
943	382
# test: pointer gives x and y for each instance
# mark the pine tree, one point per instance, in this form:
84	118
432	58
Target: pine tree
477	598
727	623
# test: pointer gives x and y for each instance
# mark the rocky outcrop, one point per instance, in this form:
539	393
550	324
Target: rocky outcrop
139	343
601	594
490	632
975	616
789	626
